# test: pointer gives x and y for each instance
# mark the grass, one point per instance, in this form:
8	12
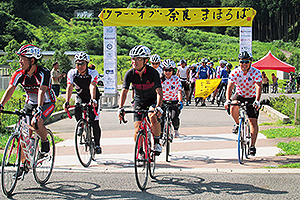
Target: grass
290	148
282	132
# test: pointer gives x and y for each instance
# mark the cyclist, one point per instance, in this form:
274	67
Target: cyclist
172	91
183	74
40	98
248	82
155	62
203	72
219	68
224	76
85	81
148	93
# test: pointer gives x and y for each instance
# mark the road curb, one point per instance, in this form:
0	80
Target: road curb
275	114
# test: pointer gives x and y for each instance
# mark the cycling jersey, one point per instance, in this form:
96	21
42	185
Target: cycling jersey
145	86
182	72
160	70
82	83
31	84
204	72
170	88
224	75
245	83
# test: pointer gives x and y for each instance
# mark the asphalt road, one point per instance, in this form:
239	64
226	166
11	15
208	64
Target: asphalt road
102	185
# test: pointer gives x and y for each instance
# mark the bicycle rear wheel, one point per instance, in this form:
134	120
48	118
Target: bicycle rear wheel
241	142
141	163
83	143
10	165
43	164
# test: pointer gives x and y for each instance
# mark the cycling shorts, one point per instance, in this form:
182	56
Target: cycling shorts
142	106
185	85
251	112
48	109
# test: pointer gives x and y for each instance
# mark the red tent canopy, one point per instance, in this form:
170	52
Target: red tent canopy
273	63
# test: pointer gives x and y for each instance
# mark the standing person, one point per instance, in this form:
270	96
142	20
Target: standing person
148	93
155	63
193	75
275	83
298	81
40	98
203	72
219	68
265	83
248	82
85	81
183	74
172	92
56	78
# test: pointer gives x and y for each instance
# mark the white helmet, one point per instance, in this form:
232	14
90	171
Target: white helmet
204	60
222	62
155	58
140	51
194	65
168	63
82	56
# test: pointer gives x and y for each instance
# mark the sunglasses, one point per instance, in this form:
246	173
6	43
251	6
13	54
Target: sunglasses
80	63
168	70
244	61
155	63
137	59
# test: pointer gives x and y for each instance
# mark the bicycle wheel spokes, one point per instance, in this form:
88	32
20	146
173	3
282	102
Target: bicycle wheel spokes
83	143
141	163
152	165
10	165
168	146
247	139
44	163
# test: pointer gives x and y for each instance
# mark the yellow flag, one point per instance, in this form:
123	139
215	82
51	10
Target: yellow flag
204	87
227	16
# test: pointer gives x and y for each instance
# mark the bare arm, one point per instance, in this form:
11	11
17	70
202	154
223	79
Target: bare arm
258	86
41	94
93	88
229	90
69	92
180	95
7	95
159	93
123	97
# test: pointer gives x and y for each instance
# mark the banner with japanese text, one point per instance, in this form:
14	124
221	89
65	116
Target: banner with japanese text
227	16
205	87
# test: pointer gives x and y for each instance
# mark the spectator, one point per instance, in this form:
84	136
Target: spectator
275	83
56	78
265	83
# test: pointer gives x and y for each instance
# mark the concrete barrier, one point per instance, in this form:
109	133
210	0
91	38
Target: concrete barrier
275	114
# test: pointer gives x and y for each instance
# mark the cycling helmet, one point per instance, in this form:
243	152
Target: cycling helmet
229	66
222	62
140	51
212	63
194	65
183	61
30	51
204	60
155	58
245	55
168	63
82	56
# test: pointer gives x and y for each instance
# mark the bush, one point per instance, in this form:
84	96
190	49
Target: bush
284	104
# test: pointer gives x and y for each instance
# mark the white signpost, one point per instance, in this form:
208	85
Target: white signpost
245	39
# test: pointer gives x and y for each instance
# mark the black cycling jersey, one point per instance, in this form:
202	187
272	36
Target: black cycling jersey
145	86
82	83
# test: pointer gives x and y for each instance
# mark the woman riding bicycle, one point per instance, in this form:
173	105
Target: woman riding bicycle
172	91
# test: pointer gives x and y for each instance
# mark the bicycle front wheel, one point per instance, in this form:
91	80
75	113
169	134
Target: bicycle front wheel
168	141
44	163
247	138
10	165
141	163
241	142
83	143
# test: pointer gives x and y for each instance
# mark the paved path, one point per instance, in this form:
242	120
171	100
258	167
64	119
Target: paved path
205	142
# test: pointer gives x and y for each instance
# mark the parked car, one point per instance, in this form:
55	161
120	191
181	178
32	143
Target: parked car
101	80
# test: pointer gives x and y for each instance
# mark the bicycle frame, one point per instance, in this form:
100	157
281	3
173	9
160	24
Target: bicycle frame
146	127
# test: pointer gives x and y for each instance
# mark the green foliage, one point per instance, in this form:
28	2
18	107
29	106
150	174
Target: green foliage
284	104
281	132
290	148
294	60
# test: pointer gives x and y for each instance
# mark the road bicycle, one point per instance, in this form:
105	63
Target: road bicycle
221	98
84	142
244	135
19	146
144	156
167	137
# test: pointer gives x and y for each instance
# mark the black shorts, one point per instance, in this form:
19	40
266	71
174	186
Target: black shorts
142	106
185	85
251	112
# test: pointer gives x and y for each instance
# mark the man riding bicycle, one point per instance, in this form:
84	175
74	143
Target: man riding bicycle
40	98
148	93
172	89
85	80
248	82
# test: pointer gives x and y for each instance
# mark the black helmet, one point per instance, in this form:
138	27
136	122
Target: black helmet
229	66
245	55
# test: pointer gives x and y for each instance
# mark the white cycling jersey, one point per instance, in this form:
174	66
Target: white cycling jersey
182	72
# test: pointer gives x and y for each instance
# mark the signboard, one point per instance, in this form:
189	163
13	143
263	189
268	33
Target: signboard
84	13
205	87
110	59
246	39
227	16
